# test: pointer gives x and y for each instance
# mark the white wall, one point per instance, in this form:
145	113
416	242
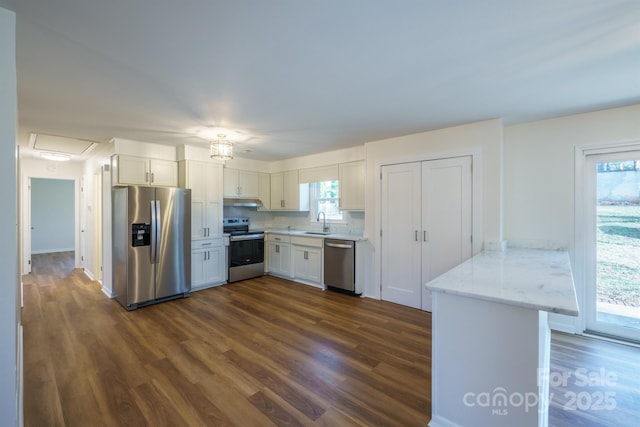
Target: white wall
482	140
97	177
539	176
10	328
52	215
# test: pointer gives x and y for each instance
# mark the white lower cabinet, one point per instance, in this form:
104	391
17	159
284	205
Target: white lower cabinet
295	257
307	262
279	258
208	266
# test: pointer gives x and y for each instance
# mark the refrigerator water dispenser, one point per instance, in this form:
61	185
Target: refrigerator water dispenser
141	234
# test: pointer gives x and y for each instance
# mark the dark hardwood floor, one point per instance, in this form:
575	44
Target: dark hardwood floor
593	382
254	353
257	353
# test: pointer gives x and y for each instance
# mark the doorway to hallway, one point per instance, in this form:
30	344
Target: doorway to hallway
51	228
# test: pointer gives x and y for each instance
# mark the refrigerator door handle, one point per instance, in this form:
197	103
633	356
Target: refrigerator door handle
157	231
154	226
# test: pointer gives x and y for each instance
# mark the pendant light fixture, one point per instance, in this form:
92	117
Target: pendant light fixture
222	148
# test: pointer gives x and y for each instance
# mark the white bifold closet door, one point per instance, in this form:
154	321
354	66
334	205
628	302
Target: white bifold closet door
426	225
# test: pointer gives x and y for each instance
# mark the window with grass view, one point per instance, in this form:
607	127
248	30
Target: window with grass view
325	198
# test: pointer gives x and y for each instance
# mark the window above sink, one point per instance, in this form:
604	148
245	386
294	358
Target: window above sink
325	197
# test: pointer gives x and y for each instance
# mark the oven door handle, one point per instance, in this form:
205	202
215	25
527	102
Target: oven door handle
246	237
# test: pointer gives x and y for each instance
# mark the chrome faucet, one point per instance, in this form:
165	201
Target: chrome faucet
324	221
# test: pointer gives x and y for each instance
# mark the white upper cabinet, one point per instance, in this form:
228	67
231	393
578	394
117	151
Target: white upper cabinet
205	181
265	191
242	184
132	170
352	177
287	194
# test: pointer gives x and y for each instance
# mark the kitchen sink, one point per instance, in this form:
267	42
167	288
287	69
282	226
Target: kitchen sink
321	233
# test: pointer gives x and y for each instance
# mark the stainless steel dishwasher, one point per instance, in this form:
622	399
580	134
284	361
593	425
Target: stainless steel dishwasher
339	264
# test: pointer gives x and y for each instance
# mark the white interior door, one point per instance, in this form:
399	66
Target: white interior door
612	234
400	220
446	218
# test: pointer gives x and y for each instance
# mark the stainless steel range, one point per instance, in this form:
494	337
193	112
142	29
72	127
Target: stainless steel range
246	249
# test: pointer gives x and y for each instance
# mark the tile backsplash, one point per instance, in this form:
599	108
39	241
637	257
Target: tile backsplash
353	223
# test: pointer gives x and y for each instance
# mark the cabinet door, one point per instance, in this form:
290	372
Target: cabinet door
214	265
265	191
213	180
208	266
164	173
307	263
291	190
300	264
280	259
196	180
249	184
133	170
352	177
314	265
401	234
231	185
204	180
273	253
277	194
285	259
198	220
213	193
198	271
212	219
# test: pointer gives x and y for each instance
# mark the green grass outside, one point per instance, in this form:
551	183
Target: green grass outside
618	254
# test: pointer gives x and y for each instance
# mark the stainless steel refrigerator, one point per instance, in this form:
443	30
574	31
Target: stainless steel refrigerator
151	244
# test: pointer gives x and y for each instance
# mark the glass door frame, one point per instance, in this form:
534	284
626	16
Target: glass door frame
588	234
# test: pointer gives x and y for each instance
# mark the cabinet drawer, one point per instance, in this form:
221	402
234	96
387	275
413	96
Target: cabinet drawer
315	242
204	244
278	238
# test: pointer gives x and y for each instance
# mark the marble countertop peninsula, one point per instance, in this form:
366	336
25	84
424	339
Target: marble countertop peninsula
530	278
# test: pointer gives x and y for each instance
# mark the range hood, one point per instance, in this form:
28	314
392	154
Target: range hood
249	203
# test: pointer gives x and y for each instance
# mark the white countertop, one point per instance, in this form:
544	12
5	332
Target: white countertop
530	278
343	236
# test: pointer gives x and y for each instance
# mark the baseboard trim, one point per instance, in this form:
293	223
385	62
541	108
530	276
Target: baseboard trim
108	292
88	274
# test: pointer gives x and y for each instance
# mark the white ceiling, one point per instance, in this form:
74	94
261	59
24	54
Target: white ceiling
301	77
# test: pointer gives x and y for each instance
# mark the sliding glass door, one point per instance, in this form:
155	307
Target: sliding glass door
612	212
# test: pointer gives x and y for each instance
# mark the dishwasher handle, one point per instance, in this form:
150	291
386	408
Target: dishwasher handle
338	245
